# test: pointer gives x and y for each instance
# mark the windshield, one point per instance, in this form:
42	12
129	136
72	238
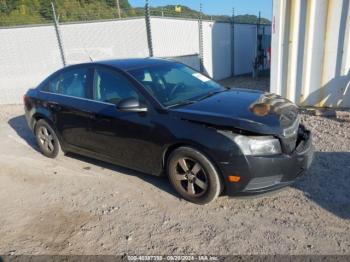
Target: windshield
176	84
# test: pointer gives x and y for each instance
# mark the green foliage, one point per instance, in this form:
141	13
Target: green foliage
19	12
14	12
169	10
250	19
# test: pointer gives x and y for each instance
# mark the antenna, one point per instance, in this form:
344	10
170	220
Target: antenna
91	60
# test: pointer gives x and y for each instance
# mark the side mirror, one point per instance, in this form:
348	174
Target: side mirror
131	104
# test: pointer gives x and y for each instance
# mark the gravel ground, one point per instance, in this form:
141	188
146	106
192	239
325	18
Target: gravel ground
246	81
75	205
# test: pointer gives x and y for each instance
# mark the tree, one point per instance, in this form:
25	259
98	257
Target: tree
14	12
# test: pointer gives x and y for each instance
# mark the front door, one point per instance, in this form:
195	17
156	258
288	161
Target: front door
124	137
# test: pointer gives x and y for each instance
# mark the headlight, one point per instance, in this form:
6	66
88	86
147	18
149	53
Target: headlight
258	145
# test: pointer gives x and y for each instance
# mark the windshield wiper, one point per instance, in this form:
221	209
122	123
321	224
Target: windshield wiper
182	103
210	94
192	101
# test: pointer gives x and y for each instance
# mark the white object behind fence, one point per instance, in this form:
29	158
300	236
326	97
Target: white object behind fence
245	48
217	49
29	54
174	37
190	60
221	38
104	40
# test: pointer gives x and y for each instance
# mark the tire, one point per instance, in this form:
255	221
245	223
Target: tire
193	176
47	140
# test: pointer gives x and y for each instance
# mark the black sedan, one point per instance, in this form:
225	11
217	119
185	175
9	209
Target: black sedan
162	117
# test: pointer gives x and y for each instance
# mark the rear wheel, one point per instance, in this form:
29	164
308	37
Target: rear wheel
193	175
46	139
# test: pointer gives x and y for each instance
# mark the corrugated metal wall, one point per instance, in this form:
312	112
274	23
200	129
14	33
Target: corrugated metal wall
311	52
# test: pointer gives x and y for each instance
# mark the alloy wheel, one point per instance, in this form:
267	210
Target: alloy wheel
46	139
191	176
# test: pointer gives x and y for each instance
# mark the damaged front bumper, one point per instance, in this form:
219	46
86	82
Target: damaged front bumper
260	174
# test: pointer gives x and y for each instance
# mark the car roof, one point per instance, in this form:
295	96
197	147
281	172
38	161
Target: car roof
135	63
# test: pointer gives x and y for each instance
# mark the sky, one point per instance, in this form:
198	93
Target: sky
218	7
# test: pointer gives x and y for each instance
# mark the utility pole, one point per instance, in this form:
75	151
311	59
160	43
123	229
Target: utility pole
233	43
118	7
148	29
201	51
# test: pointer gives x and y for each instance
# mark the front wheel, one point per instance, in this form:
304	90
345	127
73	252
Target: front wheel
46	139
193	175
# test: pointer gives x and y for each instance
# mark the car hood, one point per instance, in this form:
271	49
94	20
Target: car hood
243	109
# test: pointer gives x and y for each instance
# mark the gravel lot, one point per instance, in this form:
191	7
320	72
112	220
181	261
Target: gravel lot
75	205
246	81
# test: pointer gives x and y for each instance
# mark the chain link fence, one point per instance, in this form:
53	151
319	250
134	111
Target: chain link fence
29	53
90	32
35	17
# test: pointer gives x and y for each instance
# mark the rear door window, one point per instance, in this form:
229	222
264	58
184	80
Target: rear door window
72	82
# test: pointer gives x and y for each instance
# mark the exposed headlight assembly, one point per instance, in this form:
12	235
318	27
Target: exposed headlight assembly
258	145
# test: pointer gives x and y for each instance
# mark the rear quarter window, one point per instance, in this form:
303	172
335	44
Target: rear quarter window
72	82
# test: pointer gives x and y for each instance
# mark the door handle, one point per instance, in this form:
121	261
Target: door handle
92	116
54	106
99	117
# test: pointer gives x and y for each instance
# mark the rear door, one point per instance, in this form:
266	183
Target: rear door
67	97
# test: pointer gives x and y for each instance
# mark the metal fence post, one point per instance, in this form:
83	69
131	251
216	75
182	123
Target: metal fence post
148	29
233	43
58	34
200	31
118	7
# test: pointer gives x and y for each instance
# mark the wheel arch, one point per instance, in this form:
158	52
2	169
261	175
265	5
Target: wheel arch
40	115
169	149
47	116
